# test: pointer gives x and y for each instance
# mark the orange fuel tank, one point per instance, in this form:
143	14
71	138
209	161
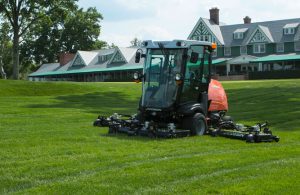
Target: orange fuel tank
217	96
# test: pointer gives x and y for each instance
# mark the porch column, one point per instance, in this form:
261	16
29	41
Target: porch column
260	67
227	69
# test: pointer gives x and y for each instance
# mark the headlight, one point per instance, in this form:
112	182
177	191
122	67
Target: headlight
136	76
178	77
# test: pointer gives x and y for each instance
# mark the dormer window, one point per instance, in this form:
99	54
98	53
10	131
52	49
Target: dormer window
289	29
118	58
239	33
103	58
78	61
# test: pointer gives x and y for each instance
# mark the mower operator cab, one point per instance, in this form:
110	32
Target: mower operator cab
175	78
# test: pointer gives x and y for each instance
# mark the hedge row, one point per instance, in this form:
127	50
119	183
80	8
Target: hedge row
282	74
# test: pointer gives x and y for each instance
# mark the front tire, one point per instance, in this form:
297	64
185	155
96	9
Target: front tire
198	124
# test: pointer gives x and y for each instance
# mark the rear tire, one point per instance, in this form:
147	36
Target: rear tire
198	124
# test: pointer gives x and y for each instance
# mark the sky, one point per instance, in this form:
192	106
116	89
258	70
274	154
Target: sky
174	19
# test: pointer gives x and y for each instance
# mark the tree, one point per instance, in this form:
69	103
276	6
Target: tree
99	44
22	14
3	74
4	47
82	29
112	46
68	32
136	42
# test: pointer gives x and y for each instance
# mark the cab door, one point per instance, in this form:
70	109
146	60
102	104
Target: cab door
197	75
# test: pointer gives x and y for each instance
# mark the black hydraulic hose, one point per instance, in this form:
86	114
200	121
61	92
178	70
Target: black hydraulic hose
209	67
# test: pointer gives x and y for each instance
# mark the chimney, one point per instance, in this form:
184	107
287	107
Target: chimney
65	58
214	15
247	20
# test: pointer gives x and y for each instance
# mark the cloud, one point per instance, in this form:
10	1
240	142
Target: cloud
154	32
134	4
122	35
118	10
175	19
117	39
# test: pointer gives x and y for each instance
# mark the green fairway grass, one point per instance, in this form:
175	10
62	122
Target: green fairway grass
49	146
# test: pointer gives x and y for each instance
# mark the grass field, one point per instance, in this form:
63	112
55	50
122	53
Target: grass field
48	144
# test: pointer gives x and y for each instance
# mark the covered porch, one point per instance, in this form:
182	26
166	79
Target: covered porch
278	62
240	65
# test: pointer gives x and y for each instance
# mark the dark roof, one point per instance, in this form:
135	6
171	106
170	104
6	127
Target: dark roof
92	64
275	28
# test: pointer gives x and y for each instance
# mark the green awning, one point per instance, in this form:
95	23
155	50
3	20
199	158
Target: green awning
275	58
119	68
219	61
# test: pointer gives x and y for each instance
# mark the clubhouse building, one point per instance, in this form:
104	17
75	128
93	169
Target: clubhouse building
244	50
117	64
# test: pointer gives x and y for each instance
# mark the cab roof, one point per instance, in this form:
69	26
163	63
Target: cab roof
175	44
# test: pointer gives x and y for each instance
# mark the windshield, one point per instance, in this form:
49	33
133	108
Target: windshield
159	88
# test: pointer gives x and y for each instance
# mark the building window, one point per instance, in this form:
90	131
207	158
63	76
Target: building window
289	31
78	61
227	51
243	50
238	35
104	58
297	46
118	58
214	54
280	47
259	48
204	38
258	37
292	31
235	35
286	31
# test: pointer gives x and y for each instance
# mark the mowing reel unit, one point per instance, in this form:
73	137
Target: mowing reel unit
223	128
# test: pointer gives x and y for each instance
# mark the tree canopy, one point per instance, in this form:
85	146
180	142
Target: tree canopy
42	29
136	42
70	32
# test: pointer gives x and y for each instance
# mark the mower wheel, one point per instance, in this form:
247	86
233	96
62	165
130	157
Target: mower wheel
198	124
250	138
